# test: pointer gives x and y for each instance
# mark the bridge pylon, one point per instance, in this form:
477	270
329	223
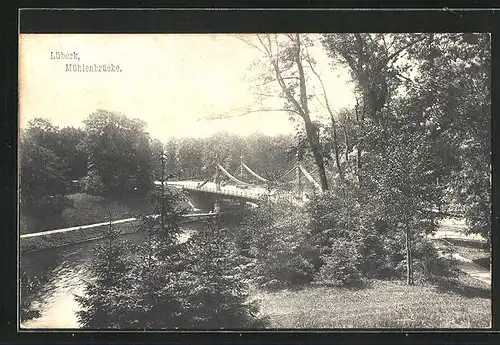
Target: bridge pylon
242	168
217	205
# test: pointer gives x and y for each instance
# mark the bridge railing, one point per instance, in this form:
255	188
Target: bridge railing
222	190
253	194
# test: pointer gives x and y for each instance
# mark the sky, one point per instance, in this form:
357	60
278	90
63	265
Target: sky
171	81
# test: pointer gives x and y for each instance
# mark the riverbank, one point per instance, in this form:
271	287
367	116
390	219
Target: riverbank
77	221
453	302
54	239
83	208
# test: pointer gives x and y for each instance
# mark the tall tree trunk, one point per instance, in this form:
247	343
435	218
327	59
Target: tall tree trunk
313	139
346	139
162	197
359	120
336	148
409	259
312	135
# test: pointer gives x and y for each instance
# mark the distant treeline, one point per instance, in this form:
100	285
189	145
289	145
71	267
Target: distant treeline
194	158
114	156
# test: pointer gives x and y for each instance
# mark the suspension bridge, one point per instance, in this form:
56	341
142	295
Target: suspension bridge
221	187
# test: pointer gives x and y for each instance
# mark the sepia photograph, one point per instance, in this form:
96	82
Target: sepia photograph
254	181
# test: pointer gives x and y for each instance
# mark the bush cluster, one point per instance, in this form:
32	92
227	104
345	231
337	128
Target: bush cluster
275	236
163	283
341	238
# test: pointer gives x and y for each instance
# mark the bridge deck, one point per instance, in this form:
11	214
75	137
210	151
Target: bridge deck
255	193
251	193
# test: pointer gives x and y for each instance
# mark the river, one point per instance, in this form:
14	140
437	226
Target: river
64	270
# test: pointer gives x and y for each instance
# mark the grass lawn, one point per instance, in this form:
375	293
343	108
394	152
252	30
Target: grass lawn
381	304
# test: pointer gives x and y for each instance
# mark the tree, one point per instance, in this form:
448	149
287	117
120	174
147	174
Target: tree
141	286
453	89
373	62
119	153
28	287
286	57
269	156
71	151
105	304
171	150
225	147
403	169
190	156
398	158
218	296
42	180
157	149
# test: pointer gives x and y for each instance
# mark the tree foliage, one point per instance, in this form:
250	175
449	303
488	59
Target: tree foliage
218	294
408	117
277	239
452	93
119	154
194	158
28	288
42	179
104	305
165	283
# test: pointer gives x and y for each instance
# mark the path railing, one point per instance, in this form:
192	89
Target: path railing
189	216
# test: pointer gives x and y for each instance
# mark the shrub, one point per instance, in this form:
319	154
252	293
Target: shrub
373	235
92	183
428	265
42	214
28	287
280	245
342	265
334	215
47	206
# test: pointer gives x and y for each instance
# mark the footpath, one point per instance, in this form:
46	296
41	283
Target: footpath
83	233
450	230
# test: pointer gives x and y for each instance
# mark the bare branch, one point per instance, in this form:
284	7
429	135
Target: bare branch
400	50
250	44
273	80
308	59
245	113
385	44
268	49
319	101
404	77
281	81
265	94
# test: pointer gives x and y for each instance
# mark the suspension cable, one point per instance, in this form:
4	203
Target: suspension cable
254	173
232	177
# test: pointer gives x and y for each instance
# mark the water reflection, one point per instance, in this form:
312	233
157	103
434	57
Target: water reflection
65	271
